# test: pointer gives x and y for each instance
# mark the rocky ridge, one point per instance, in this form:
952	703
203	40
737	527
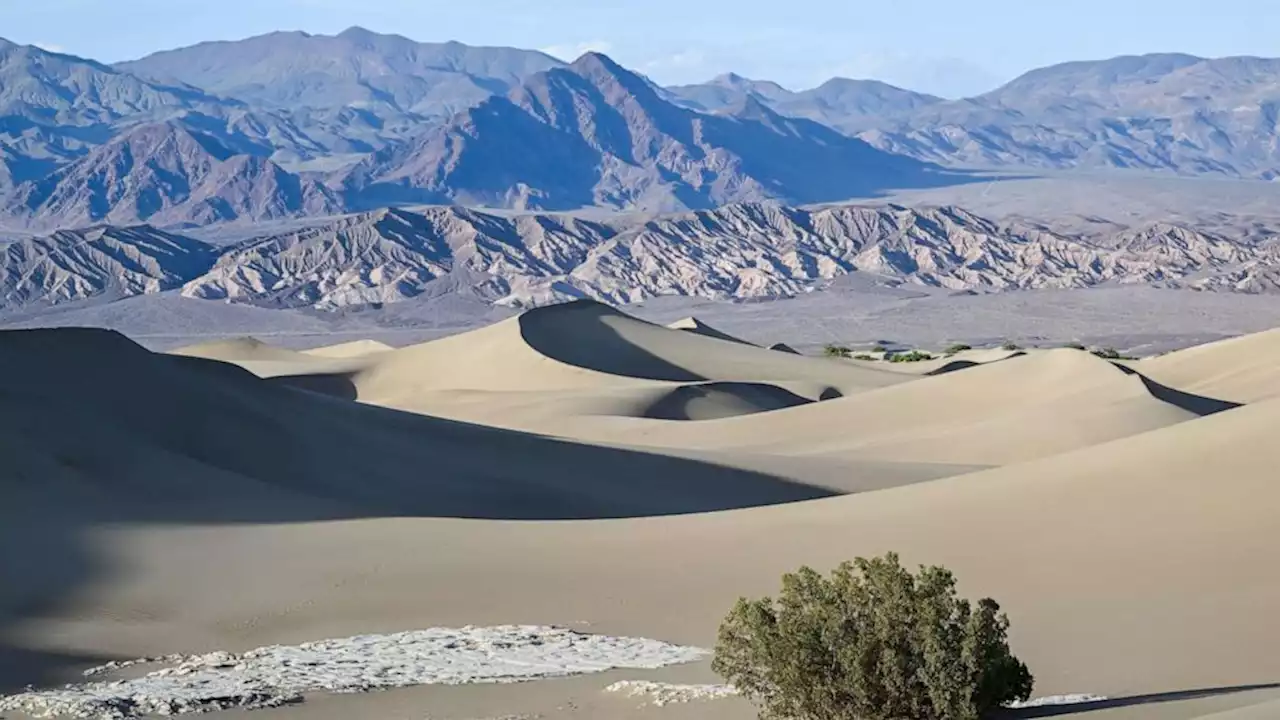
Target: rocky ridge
742	251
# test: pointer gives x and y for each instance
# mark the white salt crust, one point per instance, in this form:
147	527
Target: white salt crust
277	675
667	693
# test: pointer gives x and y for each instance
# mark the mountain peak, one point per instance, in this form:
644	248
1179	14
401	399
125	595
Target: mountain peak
615	82
730	79
593	61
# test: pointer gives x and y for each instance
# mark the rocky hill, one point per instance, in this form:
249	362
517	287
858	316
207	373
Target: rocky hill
166	174
101	261
596	134
741	251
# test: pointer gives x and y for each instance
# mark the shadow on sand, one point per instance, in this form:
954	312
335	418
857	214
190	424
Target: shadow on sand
131	437
1131	701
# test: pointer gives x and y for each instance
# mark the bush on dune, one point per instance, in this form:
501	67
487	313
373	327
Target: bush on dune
871	642
1110	353
958	348
836	351
913	356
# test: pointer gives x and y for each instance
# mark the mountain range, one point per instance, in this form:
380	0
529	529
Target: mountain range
295	125
746	251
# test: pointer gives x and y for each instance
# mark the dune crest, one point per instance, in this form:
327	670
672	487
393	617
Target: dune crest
355	348
696	326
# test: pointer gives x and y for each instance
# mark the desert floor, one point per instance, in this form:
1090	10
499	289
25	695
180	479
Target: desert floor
577	467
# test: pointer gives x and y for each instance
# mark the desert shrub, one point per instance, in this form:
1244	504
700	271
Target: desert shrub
879	348
958	347
1107	353
1074	346
864	356
1010	346
913	356
836	351
871	642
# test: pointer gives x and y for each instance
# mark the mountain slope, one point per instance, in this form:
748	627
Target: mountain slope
1163	112
165	173
356	68
841	103
596	134
53	107
76	265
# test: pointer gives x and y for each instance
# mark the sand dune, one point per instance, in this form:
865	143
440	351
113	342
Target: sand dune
240	349
1241	369
587	345
1019	409
1109	559
154	503
356	348
942	364
541	410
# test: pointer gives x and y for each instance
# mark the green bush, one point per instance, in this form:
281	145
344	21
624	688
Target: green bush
913	356
879	349
1010	346
958	347
836	351
871	642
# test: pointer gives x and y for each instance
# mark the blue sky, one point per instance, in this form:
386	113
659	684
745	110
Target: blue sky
948	47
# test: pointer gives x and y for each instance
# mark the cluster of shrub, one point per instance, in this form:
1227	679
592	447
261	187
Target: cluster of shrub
872	641
840	351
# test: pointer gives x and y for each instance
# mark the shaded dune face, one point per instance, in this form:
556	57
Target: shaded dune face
590	335
226	420
713	400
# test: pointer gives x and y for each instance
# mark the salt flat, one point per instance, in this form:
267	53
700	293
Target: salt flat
240	495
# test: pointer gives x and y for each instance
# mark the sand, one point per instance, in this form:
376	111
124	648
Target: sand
355	348
167	504
1240	369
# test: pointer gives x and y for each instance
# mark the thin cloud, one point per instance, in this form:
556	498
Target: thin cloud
573	51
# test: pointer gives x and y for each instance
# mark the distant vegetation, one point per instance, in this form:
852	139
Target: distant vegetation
836	351
1075	346
871	642
864	356
1109	353
957	348
913	356
1010	346
879	349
